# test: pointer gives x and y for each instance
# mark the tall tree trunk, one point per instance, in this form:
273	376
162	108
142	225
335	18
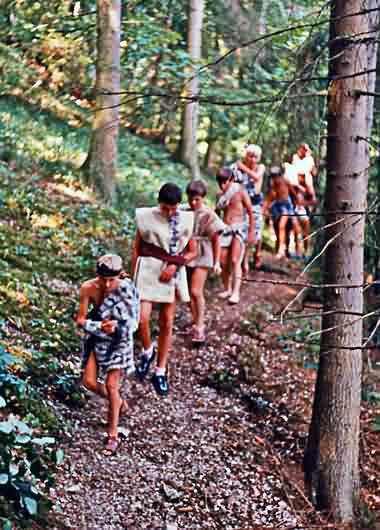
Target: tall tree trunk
331	456
100	167
188	147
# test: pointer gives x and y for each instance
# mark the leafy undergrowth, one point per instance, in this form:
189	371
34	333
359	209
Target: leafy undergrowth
50	233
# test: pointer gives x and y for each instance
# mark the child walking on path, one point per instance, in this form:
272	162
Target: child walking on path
278	199
234	201
250	173
207	229
163	245
107	347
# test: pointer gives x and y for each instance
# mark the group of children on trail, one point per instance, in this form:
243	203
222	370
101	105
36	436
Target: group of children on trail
174	249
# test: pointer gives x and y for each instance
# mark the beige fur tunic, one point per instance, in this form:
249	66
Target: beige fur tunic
206	224
154	228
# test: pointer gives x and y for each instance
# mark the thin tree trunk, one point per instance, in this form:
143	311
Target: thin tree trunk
332	453
100	168
188	147
211	140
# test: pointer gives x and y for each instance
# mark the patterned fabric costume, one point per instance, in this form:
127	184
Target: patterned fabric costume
113	351
257	200
206	224
172	235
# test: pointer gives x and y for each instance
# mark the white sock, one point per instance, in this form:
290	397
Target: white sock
159	371
149	352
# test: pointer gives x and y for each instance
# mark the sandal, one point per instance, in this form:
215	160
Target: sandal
111	446
199	334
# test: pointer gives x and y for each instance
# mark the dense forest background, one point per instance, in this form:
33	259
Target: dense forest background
262	75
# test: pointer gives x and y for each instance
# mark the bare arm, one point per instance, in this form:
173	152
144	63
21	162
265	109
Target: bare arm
248	206
255	174
170	270
84	300
191	251
268	202
98	328
135	252
216	250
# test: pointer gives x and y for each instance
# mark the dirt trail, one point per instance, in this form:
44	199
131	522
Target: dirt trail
200	458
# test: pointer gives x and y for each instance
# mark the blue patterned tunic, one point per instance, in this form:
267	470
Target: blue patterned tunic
113	351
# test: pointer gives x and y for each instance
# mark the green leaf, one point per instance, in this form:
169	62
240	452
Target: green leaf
22	438
30	505
13	469
373	396
22	427
59	456
6	427
46	440
3	403
4	478
7	525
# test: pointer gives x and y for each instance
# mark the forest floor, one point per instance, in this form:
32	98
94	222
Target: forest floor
224	449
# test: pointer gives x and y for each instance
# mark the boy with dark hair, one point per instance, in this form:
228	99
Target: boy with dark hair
234	201
207	229
108	343
278	199
162	247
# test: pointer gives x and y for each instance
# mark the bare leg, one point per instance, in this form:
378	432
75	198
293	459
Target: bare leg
237	253
226	275
245	265
258	261
144	328
297	237
281	252
115	401
198	280
90	378
167	313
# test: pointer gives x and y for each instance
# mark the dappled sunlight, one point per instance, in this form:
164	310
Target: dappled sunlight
47	221
15	295
72	192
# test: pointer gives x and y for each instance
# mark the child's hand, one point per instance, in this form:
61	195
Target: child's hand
168	273
108	326
217	268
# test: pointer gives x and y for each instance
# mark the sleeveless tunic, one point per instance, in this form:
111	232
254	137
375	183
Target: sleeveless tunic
171	235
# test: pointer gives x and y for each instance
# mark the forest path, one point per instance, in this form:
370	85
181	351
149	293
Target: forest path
197	459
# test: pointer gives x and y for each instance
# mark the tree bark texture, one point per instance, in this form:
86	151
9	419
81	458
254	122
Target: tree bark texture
189	151
101	165
331	462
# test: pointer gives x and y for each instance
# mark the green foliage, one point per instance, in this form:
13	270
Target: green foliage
300	343
27	455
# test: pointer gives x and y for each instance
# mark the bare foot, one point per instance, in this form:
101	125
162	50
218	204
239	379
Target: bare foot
234	299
